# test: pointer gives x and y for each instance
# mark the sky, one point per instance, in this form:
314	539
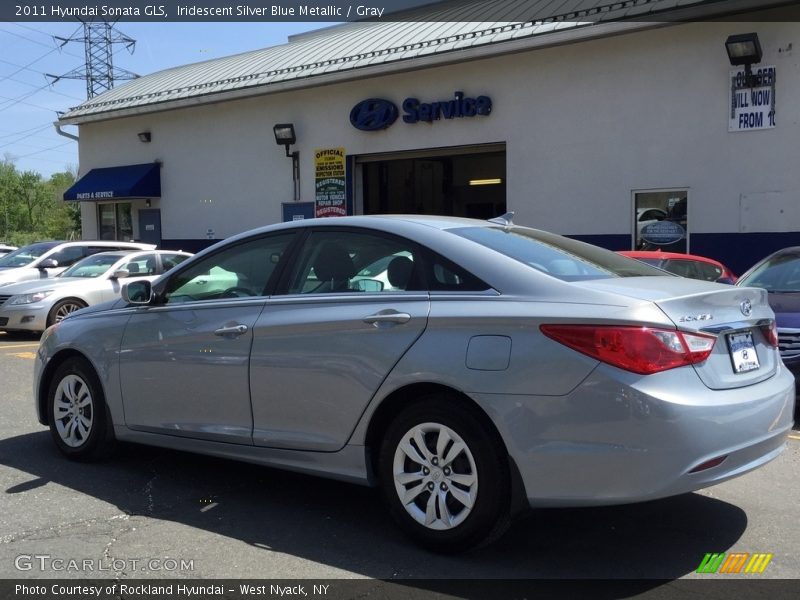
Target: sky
28	51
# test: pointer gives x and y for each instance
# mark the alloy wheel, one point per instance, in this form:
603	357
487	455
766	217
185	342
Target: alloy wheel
435	476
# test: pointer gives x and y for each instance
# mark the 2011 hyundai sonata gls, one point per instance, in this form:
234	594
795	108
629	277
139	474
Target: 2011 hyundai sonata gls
466	367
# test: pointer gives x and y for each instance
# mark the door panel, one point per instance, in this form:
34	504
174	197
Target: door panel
180	377
318	360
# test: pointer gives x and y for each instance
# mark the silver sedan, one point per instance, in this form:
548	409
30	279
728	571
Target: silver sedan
468	368
34	305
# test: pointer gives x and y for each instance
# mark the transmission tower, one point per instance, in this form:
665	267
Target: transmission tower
99	72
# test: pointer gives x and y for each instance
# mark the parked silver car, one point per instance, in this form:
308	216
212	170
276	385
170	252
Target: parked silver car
47	259
35	305
501	367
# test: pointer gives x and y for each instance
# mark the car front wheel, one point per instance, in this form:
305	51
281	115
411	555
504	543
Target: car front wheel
445	475
77	412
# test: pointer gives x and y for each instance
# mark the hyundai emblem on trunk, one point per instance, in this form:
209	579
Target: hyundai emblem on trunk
746	307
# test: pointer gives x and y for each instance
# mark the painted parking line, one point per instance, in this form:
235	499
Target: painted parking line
28	355
13	346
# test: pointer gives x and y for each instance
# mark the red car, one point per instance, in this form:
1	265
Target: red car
685	265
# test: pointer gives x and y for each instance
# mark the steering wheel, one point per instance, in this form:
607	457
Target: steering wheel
237	292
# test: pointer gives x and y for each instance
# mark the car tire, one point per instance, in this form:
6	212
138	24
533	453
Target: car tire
62	308
77	413
453	495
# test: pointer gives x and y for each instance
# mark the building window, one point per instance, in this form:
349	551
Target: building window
115	221
660	220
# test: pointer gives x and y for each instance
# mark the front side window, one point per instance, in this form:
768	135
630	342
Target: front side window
336	261
561	257
241	270
143	265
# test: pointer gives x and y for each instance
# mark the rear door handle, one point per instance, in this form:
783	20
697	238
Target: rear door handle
231	331
388	316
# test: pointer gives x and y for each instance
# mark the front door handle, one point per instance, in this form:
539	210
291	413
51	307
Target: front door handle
387	316
231	331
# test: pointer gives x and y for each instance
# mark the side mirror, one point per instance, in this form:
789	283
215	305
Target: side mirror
48	263
120	274
138	292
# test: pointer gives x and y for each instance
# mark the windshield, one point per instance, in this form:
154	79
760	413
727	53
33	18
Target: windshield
779	273
561	257
26	255
92	266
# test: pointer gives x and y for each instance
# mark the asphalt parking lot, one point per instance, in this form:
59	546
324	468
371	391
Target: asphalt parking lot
163	514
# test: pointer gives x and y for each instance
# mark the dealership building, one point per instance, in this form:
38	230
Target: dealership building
637	123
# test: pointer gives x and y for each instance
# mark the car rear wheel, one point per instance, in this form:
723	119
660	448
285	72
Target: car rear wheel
62	308
445	475
76	412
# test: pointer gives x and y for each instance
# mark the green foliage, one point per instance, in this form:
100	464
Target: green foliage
32	208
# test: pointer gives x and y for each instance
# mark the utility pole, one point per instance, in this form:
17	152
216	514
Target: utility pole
99	72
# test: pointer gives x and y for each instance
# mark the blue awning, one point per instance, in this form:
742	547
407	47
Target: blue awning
117	183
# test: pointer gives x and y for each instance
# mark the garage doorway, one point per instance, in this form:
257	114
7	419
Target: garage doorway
461	182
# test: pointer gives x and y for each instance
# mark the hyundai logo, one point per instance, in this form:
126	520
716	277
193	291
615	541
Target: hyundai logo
746	308
373	114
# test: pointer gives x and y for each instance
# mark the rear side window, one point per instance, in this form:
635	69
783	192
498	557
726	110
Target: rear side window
170	260
561	257
448	276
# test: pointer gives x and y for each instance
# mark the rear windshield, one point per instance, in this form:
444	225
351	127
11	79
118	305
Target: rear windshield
26	254
561	257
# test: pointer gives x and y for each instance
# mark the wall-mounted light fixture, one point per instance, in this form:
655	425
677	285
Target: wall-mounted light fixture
285	136
744	49
145	137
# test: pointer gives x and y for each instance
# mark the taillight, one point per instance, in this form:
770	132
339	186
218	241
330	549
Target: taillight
770	332
643	350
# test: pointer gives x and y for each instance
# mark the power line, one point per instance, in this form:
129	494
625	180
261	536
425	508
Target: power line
11	78
33	131
32	41
44	150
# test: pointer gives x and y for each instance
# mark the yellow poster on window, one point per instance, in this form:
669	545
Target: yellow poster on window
329	182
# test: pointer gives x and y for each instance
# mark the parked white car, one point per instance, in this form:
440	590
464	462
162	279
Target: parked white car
35	305
47	259
5	249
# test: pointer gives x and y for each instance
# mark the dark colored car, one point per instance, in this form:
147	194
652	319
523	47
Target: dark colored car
779	274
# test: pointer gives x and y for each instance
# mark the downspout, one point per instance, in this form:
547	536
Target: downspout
63	133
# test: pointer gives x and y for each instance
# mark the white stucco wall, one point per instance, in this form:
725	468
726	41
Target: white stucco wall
584	125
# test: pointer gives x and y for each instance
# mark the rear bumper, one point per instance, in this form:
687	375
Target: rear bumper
620	438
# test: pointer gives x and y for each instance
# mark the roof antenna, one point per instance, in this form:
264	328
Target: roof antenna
506	220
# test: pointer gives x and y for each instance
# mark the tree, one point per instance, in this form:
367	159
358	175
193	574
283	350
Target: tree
33	208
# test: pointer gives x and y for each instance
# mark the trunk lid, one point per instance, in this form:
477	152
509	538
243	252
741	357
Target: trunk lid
735	315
